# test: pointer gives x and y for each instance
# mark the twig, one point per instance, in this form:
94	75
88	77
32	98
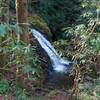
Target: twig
5	41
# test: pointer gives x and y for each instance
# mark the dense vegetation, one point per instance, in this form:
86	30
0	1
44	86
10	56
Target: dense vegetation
73	27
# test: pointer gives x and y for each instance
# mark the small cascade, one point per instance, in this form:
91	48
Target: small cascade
58	64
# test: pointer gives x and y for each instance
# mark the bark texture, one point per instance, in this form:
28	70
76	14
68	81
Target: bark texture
22	20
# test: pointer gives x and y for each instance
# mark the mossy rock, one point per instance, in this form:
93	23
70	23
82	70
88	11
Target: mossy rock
40	25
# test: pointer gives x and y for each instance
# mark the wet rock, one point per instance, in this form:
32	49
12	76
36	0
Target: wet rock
60	80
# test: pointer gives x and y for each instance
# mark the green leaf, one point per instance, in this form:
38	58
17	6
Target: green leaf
30	78
16	29
26	69
4	85
2	30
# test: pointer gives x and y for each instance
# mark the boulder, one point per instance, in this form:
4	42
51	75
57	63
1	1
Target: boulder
40	25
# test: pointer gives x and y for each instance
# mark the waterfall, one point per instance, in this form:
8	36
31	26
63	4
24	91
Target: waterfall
58	64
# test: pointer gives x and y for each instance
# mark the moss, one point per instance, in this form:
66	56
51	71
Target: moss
40	25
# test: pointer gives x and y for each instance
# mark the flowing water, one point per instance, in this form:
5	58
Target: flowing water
58	64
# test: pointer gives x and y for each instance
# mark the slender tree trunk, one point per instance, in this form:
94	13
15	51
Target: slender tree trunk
22	20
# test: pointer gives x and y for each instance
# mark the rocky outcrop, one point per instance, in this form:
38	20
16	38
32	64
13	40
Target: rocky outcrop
40	25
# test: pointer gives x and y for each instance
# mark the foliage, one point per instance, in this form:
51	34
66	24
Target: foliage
87	30
89	10
19	94
90	91
6	89
21	59
58	14
4	86
6	28
82	44
76	23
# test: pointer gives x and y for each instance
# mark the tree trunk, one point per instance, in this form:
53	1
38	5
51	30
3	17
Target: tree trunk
22	20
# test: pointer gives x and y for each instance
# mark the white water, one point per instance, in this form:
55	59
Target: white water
58	64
